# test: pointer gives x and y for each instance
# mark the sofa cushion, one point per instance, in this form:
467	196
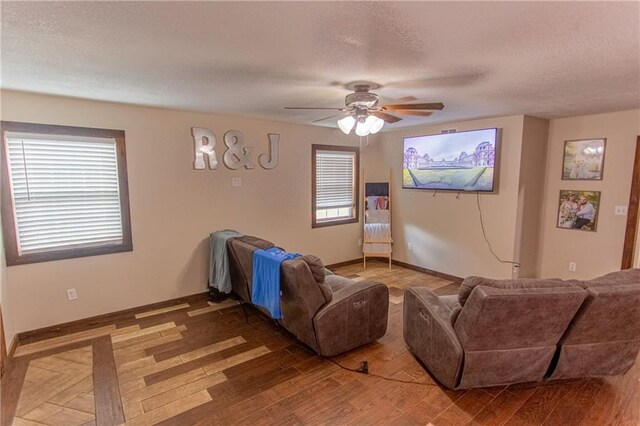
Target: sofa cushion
624	277
451	302
326	291
337	283
316	266
455	312
610	313
319	272
258	243
301	298
494	318
529	283
603	337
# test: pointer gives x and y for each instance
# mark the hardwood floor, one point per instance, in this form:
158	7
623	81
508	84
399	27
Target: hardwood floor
188	362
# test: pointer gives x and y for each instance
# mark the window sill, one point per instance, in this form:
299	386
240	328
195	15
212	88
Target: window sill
334	222
67	254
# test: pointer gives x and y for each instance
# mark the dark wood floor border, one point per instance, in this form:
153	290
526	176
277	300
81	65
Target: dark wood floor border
105	384
85	323
56	350
11	385
12	347
345	263
428	271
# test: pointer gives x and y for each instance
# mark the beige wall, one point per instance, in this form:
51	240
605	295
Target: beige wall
594	252
535	134
444	229
173	209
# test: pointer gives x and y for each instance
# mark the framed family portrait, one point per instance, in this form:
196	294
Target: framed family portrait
583	159
578	210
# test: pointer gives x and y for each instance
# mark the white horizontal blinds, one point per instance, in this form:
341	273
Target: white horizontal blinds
65	192
335	178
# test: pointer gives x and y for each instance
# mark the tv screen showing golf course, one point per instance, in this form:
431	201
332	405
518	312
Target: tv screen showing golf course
461	161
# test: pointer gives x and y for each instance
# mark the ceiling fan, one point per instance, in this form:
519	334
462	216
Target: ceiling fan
363	111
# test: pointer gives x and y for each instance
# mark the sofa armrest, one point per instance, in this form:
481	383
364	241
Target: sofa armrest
356	315
430	336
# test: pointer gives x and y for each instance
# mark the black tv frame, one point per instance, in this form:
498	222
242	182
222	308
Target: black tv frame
496	166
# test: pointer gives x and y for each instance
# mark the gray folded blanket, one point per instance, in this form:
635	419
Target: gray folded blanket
219	276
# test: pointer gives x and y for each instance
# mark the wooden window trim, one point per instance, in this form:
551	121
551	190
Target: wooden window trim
7	210
356	216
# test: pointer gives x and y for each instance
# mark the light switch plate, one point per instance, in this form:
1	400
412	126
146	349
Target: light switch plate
236	181
621	210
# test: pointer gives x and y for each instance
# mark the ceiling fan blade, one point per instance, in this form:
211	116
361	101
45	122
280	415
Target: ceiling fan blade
319	108
331	116
406	99
388	118
435	106
412	112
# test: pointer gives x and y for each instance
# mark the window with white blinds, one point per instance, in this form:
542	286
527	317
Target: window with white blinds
335	184
66	194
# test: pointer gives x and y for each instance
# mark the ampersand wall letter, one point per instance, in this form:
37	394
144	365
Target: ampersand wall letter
236	155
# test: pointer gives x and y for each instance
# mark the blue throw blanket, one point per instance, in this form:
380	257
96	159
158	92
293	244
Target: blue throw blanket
266	278
219	276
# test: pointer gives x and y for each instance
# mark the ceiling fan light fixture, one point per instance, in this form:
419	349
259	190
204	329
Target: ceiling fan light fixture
363	106
346	124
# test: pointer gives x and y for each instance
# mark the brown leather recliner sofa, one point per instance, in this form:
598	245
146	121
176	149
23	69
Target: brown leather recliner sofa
498	332
328	313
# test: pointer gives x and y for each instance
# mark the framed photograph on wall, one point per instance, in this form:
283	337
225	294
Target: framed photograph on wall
583	159
578	210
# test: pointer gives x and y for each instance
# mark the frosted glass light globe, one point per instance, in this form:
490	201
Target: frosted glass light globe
376	124
363	128
346	124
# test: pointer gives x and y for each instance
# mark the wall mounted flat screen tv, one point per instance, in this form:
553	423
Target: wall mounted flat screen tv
461	161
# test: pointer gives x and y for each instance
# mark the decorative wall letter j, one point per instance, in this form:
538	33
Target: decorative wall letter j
271	161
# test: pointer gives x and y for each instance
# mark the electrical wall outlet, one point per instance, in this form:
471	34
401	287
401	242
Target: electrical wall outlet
236	181
410	246
620	211
359	242
71	294
572	266
515	272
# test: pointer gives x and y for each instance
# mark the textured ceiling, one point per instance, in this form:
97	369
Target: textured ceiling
252	58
